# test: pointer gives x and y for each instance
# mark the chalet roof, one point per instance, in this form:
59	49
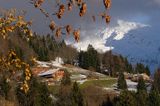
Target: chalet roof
49	72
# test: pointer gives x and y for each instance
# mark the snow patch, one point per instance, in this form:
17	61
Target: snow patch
124	27
49	72
43	64
58	62
101	37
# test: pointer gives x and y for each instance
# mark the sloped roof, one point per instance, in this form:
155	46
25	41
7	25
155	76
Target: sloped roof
49	72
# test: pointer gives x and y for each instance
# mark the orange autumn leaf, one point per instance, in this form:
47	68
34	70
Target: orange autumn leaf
107	19
52	26
83	9
76	34
68	29
58	32
107	3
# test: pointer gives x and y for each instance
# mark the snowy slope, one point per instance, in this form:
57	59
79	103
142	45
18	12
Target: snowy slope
131	39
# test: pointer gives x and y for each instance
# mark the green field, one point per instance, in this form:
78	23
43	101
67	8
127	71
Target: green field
108	82
99	83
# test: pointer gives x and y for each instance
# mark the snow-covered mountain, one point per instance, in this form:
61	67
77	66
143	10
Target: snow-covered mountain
131	39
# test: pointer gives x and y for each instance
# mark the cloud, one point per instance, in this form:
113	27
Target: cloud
124	27
143	11
100	39
157	1
131	12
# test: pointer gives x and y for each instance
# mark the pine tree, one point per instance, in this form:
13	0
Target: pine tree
76	95
19	52
154	95
140	68
142	95
147	71
156	83
141	85
128	67
126	98
108	102
154	98
89	59
4	87
43	96
38	95
83	60
29	98
121	82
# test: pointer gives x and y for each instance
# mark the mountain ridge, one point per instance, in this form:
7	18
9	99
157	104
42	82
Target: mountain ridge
131	39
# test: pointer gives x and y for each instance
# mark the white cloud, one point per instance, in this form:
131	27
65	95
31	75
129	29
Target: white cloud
100	39
124	27
157	1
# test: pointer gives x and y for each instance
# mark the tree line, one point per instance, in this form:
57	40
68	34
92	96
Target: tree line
113	63
142	97
46	48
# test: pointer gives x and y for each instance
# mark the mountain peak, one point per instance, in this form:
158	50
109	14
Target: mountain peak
130	39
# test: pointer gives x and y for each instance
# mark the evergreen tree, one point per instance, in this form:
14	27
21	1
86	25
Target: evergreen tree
43	96
142	98
19	52
108	102
106	59
64	97
156	82
141	85
89	59
154	95
4	87
29	98
117	64
93	58
81	59
121	82
154	98
140	68
142	95
128	67
43	54
147	71
126	98
38	95
76	95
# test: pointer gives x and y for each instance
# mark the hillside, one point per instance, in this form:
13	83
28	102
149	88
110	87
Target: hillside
130	39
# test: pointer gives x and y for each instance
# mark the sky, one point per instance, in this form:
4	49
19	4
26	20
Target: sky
145	12
141	11
134	29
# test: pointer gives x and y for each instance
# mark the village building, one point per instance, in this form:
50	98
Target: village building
49	75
